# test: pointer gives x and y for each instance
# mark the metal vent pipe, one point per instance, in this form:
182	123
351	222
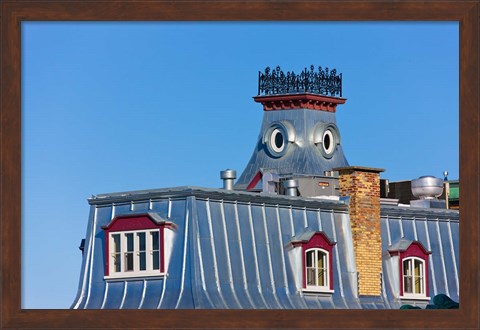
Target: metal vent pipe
228	176
290	186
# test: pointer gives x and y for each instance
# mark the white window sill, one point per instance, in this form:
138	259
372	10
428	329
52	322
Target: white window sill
419	297
134	276
318	291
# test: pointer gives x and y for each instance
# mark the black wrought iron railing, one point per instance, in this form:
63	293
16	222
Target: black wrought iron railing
322	82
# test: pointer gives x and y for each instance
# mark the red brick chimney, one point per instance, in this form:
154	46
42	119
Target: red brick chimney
362	184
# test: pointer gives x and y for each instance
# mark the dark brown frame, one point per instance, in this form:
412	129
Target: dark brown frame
466	12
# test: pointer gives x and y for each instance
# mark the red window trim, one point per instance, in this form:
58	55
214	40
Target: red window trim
320	241
132	222
417	250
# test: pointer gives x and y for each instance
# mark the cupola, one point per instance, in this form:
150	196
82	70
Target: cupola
299	135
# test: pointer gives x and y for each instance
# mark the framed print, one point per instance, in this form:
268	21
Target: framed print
123	225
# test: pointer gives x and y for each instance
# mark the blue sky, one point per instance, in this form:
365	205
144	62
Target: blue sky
115	106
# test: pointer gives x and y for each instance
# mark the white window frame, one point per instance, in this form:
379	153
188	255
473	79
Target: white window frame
316	287
136	272
423	278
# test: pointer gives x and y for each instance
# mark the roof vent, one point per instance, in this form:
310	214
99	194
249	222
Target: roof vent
290	186
228	176
427	187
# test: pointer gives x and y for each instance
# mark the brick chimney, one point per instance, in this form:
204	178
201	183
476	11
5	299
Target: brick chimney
362	184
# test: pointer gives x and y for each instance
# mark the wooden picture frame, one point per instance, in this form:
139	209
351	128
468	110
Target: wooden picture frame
466	12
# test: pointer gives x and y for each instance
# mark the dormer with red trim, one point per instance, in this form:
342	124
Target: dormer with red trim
410	268
137	245
311	255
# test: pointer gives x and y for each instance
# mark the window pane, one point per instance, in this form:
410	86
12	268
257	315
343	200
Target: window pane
321	262
129	261
116	242
155	240
155	250
418	276
142	256
406	267
117	260
407	284
311	276
129	242
310	258
156	260
141	241
142	260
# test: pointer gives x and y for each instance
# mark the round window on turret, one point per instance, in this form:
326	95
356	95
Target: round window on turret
278	137
327	143
326	138
277	140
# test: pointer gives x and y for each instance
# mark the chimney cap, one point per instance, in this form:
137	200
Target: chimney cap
359	169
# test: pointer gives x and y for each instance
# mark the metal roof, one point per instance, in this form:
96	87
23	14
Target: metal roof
231	251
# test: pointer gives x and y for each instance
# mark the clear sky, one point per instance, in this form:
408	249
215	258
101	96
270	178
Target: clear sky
109	107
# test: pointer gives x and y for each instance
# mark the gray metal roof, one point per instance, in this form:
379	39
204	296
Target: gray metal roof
231	251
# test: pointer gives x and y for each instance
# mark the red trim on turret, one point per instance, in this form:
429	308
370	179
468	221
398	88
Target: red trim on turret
255	180
299	101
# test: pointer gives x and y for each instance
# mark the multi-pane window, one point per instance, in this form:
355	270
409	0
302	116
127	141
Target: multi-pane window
134	252
413	277
316	268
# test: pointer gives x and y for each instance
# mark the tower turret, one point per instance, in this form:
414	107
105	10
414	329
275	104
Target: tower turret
299	134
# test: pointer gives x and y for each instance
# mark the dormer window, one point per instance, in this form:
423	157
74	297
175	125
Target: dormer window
413	273
137	246
317	269
413	268
313	251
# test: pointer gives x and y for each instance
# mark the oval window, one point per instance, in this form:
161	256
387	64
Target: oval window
277	140
326	138
327	142
278	137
